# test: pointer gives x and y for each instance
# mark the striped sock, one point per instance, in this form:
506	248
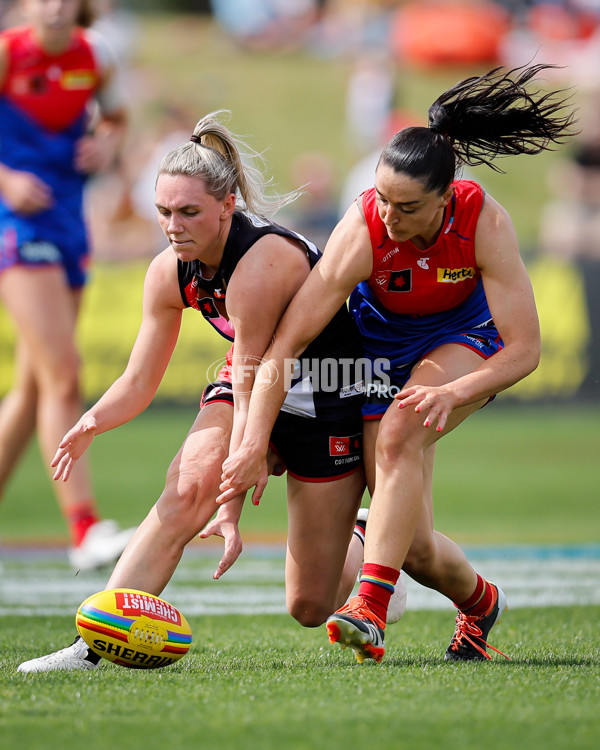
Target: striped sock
359	530
377	584
481	600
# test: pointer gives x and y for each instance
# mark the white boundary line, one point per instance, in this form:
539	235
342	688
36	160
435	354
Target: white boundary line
44	585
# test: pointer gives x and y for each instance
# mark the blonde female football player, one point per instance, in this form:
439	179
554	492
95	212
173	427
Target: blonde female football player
239	270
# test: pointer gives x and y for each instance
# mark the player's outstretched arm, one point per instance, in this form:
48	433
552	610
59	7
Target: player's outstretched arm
133	391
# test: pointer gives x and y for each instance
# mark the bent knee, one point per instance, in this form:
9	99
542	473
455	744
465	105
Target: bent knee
308	612
405	440
187	499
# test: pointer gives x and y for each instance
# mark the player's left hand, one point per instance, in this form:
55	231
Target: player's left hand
94	154
437	402
241	471
229	531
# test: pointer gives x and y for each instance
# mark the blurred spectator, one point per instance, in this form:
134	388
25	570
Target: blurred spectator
558	31
267	24
570	225
314	214
362	175
174	125
369	100
119	25
352	27
121	205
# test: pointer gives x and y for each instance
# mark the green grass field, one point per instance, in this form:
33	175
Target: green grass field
510	475
257	682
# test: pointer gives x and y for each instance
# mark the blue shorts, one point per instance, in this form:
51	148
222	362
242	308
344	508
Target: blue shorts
42	253
395	344
310	449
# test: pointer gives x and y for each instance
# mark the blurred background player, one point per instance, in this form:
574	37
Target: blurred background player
62	118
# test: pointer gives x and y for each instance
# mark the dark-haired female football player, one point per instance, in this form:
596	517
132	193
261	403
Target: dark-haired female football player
439	289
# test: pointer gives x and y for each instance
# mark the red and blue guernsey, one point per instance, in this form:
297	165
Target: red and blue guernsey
416	300
43	112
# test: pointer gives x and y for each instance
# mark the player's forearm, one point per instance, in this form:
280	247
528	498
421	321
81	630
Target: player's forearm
112	131
503	370
123	401
268	395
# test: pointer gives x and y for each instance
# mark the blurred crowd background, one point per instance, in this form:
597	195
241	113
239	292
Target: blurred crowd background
321	85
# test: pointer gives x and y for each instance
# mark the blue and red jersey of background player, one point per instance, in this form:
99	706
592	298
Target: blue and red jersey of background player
43	113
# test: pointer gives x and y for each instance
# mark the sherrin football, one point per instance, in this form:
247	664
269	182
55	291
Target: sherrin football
133	629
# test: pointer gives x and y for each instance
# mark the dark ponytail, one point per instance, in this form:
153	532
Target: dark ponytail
478	120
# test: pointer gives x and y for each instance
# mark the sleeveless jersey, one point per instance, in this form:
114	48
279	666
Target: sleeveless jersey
416	300
330	356
43	112
407	280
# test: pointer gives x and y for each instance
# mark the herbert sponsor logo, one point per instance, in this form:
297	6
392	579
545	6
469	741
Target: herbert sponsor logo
135	605
131	655
78	79
454	275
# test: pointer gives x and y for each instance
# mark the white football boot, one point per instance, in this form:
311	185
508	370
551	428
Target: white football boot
77	656
397	603
102	545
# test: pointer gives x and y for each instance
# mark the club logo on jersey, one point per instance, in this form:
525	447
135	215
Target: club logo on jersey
422	263
218	294
345	446
400	281
208	308
454	275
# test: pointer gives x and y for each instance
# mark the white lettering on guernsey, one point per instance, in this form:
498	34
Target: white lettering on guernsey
346	460
391	254
40	252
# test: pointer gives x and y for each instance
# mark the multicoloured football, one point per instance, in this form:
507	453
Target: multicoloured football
133	629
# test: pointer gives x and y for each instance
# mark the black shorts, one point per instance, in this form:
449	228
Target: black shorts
312	450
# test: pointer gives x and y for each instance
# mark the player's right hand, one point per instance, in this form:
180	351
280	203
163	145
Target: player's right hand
73	446
229	531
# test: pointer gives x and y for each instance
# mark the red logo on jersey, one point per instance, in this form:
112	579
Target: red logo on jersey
344	446
400	281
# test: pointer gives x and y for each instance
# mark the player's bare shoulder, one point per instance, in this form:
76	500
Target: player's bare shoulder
162	281
495	235
348	251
